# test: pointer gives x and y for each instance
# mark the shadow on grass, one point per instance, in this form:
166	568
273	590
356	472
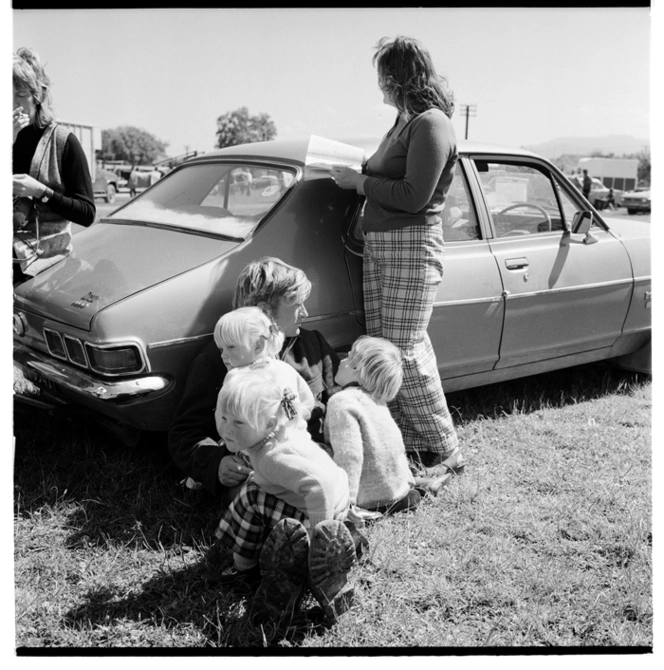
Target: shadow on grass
549	390
188	598
110	493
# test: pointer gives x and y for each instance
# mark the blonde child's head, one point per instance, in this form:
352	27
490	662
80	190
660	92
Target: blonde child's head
378	366
248	331
254	398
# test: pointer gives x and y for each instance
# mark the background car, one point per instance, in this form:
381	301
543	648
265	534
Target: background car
598	192
535	279
106	185
637	201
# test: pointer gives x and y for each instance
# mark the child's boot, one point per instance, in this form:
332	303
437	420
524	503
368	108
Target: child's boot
331	557
283	566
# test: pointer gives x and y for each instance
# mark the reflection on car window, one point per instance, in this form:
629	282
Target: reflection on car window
459	217
521	198
224	199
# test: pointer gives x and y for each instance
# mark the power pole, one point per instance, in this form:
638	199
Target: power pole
468	110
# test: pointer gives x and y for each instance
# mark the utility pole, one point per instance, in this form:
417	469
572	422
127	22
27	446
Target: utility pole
468	110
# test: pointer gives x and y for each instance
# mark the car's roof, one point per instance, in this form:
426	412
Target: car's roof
295	150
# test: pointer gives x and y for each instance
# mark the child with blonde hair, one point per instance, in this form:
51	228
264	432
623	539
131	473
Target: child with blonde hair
247	337
286	524
366	440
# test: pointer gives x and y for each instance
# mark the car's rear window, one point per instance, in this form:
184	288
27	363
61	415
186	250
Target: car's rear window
227	199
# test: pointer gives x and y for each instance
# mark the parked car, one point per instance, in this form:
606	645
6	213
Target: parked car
637	201
106	185
599	193
535	279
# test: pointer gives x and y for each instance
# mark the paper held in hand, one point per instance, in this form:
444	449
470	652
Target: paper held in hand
322	154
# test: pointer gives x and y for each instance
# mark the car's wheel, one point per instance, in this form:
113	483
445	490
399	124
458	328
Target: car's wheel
110	194
632	211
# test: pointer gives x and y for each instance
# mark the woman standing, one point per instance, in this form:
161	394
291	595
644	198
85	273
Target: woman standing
405	183
51	179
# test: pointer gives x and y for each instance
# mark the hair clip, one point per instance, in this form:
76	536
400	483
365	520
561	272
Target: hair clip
287	403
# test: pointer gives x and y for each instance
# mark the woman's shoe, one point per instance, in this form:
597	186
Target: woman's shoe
432	485
448	462
283	568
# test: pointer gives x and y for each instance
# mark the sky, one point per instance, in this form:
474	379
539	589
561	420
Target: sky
534	74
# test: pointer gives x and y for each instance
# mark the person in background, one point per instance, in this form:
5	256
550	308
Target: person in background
586	184
280	290
51	180
406	183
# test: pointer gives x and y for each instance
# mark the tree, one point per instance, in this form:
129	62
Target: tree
643	171
239	128
134	145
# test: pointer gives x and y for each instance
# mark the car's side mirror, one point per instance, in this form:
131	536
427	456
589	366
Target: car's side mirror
581	224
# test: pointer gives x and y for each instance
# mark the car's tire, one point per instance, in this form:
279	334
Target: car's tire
632	211
110	194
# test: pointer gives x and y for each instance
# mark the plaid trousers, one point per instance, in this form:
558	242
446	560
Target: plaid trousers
249	519
402	269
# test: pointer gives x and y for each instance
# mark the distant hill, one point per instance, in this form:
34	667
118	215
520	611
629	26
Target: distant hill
585	146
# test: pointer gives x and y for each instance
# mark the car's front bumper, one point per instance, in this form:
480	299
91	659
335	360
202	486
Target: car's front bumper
43	370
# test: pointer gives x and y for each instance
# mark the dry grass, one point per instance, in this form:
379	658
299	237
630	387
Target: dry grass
545	542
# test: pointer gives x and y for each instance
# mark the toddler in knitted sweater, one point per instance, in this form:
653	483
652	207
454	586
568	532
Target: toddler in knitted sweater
366	441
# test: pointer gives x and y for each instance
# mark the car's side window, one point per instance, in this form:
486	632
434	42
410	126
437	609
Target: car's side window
521	198
459	217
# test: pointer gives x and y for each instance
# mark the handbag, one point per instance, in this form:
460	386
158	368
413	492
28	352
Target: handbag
26	244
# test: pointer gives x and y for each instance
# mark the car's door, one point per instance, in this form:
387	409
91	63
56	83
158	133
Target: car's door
466	324
564	293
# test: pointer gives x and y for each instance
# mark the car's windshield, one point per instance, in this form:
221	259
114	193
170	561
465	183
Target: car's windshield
228	199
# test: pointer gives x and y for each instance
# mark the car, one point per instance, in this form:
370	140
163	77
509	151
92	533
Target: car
637	201
106	185
535	278
599	193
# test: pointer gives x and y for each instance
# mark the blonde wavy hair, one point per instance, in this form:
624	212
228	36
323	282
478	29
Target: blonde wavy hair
28	73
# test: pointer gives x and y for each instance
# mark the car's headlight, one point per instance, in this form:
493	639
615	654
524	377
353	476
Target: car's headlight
115	360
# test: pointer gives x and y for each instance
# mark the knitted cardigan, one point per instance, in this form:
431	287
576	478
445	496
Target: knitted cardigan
367	444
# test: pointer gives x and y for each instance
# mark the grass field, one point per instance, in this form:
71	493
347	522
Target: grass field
545	542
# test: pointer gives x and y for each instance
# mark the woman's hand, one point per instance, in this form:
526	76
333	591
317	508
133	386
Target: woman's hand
233	471
346	177
19	121
25	185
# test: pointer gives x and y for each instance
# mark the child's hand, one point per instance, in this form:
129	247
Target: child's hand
233	471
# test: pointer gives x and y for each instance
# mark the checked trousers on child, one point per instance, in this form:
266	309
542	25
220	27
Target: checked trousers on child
402	270
249	519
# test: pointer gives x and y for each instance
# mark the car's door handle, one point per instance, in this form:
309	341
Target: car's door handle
516	263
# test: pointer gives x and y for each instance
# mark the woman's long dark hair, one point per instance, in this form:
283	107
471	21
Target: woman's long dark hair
409	77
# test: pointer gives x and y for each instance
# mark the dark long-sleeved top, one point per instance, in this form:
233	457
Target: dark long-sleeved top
77	203
410	173
193	440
